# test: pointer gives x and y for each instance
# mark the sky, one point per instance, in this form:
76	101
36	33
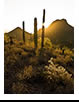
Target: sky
16	11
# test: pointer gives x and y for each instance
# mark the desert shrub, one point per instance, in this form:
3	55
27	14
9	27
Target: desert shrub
24	54
6	39
33	61
47	43
30	44
20	43
24	65
44	55
59	60
58	79
19	88
27	73
69	52
65	61
58	50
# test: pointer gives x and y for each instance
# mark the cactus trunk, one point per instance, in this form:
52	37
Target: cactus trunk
43	29
24	31
35	33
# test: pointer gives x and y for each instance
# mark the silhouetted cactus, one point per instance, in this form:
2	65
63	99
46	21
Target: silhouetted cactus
43	29
24	31
35	33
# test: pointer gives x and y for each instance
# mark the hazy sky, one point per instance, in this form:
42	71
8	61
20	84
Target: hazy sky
17	11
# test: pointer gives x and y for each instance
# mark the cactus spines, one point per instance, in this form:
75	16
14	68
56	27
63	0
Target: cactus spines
24	31
43	29
35	33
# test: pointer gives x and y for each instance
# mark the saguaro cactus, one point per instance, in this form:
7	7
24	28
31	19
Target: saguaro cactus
24	31
43	29
35	33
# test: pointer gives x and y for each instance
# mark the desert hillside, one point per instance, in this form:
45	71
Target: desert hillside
60	32
17	34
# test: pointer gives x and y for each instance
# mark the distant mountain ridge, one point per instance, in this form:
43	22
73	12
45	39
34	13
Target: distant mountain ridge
59	32
17	33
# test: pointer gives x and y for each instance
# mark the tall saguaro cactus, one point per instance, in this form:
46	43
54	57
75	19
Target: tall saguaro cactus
35	33
43	29
24	31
